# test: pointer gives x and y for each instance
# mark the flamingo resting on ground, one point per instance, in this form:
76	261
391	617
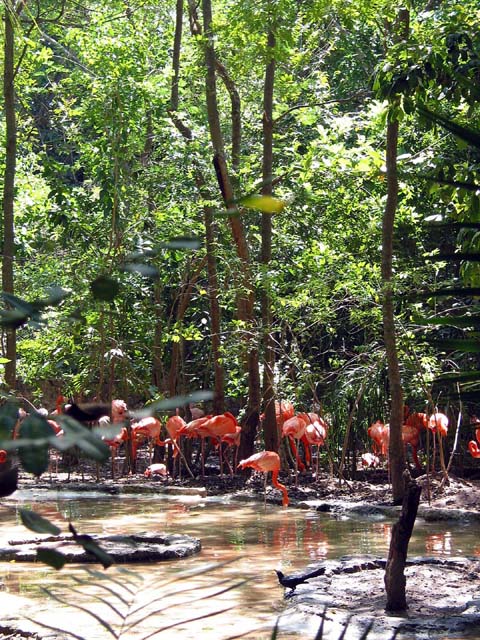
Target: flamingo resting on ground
157	469
266	461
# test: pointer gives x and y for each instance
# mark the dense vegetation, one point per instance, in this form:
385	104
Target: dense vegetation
142	269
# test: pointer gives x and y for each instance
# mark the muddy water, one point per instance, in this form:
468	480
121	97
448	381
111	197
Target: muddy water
142	599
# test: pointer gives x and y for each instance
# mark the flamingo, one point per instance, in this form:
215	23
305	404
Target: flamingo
370	460
147	428
380	435
315	434
473	446
217	427
438	423
295	428
157	469
233	440
266	461
194	429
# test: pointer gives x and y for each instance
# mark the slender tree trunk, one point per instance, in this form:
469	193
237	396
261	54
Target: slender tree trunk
270	431
396	448
395	581
247	298
9	183
210	230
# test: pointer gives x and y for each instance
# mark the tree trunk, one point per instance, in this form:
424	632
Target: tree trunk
210	230
396	449
395	581
247	298
270	430
9	184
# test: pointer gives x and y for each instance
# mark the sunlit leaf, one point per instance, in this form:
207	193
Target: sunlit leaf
265	204
37	523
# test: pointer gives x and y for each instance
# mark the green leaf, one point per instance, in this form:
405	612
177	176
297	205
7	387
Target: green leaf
51	557
462	322
12	318
34	459
265	204
104	288
8	419
470	136
172	403
182	242
76	434
461	376
463	345
145	270
35	522
89	544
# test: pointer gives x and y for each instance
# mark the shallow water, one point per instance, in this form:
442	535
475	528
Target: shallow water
254	540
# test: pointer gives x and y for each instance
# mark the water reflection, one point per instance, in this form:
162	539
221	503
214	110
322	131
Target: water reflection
256	539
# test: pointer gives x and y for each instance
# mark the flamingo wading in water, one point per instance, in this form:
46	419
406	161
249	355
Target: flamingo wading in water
266	461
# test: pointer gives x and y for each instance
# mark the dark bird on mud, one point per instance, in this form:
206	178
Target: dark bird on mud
290	582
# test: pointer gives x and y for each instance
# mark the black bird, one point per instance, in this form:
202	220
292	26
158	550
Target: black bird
290	582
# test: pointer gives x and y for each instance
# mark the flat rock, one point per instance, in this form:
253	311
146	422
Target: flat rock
443	597
142	547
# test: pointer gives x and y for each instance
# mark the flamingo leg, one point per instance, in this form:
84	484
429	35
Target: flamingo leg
265	492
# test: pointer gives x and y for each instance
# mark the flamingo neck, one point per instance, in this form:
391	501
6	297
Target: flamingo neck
280	486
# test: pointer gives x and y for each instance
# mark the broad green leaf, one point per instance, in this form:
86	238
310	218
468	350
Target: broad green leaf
51	557
8	419
462	345
265	204
470	136
34	459
12	318
172	403
76	434
105	288
182	242
450	321
37	523
146	270
89	544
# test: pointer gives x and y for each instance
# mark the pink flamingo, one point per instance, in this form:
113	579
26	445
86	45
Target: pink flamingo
195	429
266	461
473	446
233	440
294	428
217	427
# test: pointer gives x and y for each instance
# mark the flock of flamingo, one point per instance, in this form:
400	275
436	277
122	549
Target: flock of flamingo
224	432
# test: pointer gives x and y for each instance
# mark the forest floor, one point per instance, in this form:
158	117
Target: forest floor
453	612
